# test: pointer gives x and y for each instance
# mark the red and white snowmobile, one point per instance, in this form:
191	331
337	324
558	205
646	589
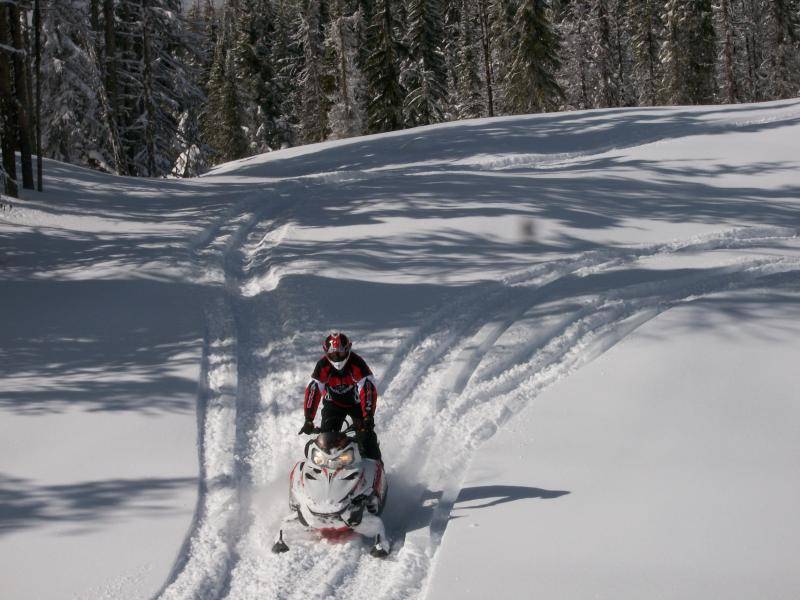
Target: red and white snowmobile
335	491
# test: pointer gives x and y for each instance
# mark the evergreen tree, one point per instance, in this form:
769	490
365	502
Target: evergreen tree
22	90
426	77
688	53
783	55
531	84
156	85
221	123
728	51
386	95
486	52
193	153
608	85
506	37
74	125
577	72
8	115
346	116
621	42
452	49
470	102
313	102
287	56
752	19
647	33
256	73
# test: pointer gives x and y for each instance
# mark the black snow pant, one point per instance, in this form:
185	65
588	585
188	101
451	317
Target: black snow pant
332	419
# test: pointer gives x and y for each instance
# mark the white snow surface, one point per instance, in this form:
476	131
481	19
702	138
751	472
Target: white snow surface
584	328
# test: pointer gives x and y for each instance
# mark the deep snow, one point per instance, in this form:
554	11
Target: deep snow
488	270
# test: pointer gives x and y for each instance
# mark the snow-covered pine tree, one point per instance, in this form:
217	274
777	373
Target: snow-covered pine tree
426	75
287	55
486	46
783	48
621	45
346	116
576	75
505	36
470	101
313	101
647	34
107	58
531	84
74	126
451	44
158	85
256	73
221	123
18	16
8	116
688	52
201	28
749	14
727	54
382	74
607	91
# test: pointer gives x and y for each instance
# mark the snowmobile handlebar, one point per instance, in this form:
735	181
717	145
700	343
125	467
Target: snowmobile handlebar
318	430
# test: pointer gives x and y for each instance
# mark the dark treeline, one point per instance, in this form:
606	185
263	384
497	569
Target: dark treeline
156	87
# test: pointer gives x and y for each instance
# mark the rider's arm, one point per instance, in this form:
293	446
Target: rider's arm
315	390
365	384
368	395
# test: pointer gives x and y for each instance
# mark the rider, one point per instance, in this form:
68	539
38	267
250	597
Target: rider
344	383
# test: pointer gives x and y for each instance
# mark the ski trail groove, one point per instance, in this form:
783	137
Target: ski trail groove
203	565
204	559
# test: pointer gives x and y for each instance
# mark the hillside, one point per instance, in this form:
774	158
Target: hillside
583	327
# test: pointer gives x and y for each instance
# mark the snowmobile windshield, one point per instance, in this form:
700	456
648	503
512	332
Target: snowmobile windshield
331	441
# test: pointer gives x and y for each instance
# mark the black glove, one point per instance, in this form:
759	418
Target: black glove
368	424
308	427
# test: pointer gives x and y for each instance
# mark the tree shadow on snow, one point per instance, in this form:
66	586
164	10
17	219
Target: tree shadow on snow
86	505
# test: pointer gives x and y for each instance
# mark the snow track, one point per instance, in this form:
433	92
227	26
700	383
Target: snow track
450	384
476	352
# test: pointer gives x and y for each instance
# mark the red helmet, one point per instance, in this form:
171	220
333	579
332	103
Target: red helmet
337	349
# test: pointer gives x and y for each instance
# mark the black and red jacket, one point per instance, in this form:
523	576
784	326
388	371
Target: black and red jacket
353	386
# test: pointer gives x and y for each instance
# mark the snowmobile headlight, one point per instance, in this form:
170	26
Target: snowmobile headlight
317	457
345	458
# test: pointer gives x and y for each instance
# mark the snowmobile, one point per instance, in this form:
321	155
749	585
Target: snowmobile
335	491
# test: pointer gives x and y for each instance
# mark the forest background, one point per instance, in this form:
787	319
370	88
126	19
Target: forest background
167	88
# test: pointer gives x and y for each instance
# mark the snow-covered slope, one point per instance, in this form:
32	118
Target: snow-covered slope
479	266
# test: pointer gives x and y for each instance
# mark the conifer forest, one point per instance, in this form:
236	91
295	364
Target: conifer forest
162	87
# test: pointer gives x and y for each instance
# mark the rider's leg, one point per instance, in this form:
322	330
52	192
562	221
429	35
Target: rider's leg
367	439
332	417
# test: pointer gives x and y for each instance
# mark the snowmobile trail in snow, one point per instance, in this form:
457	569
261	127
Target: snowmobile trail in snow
450	384
203	565
477	352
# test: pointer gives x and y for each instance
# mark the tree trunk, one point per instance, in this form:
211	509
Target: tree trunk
22	100
37	34
107	91
8	113
94	15
147	92
487	51
728	52
110	62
